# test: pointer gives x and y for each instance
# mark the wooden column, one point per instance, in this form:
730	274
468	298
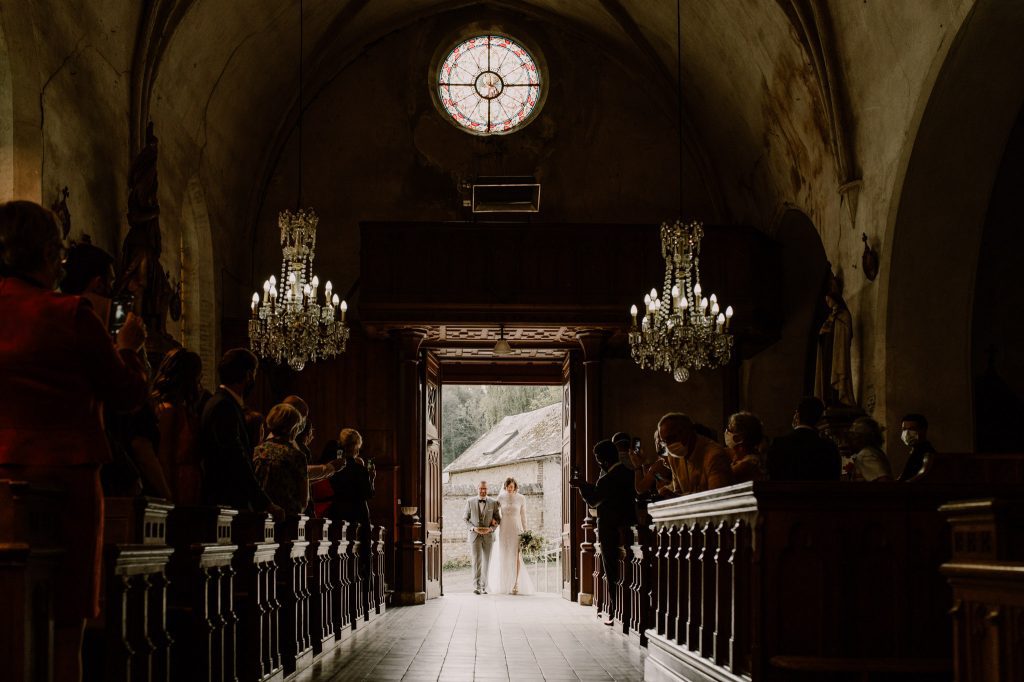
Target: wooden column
342	582
256	596
200	576
136	642
592	343
410	571
293	593
356	582
318	576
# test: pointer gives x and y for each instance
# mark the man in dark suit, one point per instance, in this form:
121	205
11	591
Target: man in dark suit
804	455
228	478
614	498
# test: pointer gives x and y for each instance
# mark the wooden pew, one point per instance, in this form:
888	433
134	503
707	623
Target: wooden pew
787	581
259	658
321	586
356	583
340	574
137	644
29	561
201	613
986	573
293	593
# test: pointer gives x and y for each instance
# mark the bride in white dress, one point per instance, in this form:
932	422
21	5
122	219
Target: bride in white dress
507	572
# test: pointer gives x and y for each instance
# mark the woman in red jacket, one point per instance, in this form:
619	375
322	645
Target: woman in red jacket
58	366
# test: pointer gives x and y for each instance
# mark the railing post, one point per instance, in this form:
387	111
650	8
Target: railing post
723	593
709	589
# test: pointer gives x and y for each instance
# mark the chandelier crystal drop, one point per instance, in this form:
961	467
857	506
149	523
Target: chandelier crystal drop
681	330
287	323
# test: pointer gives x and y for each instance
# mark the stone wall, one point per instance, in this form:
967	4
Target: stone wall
539	480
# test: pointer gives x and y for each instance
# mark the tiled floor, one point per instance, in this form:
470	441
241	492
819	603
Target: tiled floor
468	637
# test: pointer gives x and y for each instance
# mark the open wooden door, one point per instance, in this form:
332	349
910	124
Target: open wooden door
570	522
433	521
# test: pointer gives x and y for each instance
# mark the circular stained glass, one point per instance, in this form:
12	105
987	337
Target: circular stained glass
489	84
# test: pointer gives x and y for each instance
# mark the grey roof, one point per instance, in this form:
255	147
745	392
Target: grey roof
518	437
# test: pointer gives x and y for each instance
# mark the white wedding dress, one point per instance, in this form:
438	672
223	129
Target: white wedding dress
505	556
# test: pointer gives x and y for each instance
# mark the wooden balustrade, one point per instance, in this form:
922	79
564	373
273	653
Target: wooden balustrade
783	581
136	643
256	598
357	584
986	573
293	594
29	561
201	593
321	586
379	589
641	606
341	579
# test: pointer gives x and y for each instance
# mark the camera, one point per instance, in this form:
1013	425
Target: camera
119	309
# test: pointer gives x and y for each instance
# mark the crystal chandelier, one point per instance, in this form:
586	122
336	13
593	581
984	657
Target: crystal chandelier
289	324
681	330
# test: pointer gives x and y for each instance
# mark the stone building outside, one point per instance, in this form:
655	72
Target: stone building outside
526	447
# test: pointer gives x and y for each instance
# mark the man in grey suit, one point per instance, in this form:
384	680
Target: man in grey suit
482	516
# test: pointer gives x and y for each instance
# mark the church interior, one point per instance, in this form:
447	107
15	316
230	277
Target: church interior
706	208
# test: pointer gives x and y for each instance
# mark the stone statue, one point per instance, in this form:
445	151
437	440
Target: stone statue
833	382
141	274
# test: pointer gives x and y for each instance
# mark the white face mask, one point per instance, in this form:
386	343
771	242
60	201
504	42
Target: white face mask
677	449
910	437
730	440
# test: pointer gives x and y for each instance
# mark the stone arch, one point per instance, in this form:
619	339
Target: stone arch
935	233
775	379
200	330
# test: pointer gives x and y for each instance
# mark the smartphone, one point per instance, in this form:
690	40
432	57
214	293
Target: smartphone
119	309
636	445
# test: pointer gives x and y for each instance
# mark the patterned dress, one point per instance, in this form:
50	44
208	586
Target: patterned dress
281	472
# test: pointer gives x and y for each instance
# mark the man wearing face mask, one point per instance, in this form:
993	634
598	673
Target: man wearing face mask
914	434
224	440
697	462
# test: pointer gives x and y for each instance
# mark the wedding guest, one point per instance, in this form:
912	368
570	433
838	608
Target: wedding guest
137	433
224	443
914	434
614	499
652	475
743	438
89	273
623	441
870	461
280	465
315	472
176	393
804	454
321	492
353	488
697	462
54	351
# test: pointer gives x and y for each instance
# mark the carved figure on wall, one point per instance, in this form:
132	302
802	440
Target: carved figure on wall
141	274
60	209
833	382
869	260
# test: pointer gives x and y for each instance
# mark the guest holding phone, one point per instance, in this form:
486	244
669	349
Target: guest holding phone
353	487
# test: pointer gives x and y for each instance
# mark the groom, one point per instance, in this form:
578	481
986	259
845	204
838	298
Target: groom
482	516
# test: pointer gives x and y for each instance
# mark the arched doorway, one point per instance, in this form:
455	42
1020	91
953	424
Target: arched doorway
936	234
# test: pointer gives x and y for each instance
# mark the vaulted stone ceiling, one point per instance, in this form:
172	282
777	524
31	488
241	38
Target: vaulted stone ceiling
226	75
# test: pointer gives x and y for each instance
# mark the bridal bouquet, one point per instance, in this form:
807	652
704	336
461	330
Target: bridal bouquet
530	544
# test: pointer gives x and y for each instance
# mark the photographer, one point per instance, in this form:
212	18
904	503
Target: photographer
58	366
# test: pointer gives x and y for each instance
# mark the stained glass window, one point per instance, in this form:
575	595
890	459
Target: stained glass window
489	84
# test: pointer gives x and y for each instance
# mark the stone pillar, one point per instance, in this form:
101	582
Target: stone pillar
410	575
592	343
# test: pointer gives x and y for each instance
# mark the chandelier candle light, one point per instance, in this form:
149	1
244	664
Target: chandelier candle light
288	323
681	330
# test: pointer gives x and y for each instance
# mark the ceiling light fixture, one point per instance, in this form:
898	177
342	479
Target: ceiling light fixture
290	325
501	346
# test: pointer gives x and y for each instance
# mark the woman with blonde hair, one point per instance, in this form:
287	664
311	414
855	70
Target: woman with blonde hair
353	487
280	465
